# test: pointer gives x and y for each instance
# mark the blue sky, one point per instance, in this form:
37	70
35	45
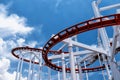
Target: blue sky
32	22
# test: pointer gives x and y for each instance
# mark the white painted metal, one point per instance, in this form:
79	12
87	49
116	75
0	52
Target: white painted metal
74	53
49	73
81	45
101	65
110	7
58	72
29	71
21	66
18	67
87	78
103	36
33	65
40	67
80	70
72	63
113	64
103	48
63	67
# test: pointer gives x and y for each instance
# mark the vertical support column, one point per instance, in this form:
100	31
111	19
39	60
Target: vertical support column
80	71
118	28
18	69
102	31
49	73
63	67
76	49
58	72
101	65
103	35
113	65
86	72
72	63
33	77
115	71
29	71
40	67
21	66
107	68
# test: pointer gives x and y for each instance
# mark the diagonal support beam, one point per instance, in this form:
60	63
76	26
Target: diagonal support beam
81	45
74	53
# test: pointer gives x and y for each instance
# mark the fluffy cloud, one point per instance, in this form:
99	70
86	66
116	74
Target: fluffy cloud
4	74
12	24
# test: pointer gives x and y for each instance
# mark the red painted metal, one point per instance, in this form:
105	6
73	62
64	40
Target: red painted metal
77	29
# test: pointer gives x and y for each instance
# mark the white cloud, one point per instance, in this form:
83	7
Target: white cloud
4	74
20	41
4	65
12	24
5	47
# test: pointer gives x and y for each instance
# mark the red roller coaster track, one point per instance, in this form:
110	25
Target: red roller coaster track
77	29
53	52
29	49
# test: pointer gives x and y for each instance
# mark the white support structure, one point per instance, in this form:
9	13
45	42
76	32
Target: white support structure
21	66
80	71
110	7
104	37
106	42
29	70
113	64
33	65
72	63
75	54
87	78
40	67
63	67
81	45
58	73
17	73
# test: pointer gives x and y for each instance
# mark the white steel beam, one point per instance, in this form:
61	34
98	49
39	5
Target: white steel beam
113	65
114	41
102	31
80	71
81	45
72	62
110	7
74	53
63	67
104	36
85	57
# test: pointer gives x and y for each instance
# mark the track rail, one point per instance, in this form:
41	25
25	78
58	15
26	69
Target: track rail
77	29
29	49
55	52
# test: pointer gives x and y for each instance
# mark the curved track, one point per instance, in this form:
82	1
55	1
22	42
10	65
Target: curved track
77	29
29	49
54	52
40	50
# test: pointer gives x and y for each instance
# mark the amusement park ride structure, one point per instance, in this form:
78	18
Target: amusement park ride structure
74	57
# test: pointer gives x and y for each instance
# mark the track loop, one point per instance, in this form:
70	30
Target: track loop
77	29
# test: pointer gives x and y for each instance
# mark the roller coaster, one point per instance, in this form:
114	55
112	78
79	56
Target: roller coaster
66	55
